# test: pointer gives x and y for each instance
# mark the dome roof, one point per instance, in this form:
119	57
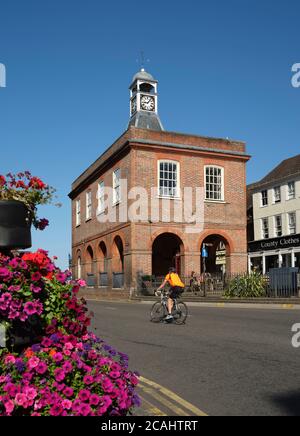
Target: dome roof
143	75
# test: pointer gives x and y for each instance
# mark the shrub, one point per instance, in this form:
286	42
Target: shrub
246	286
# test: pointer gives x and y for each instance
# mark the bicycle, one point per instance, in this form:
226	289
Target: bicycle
159	309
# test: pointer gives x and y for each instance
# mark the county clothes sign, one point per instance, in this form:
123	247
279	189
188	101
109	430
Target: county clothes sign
275	244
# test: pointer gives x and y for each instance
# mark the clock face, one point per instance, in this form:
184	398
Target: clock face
133	106
147	103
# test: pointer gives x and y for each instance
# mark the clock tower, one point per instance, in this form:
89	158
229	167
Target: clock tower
144	102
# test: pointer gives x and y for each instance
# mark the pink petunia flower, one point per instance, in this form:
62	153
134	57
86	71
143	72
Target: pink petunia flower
35	277
68	392
33	362
84	409
67	404
59	374
30	393
88	380
84	395
21	400
9	406
10	360
41	368
30	308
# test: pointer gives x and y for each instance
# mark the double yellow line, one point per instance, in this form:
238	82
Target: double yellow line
166	398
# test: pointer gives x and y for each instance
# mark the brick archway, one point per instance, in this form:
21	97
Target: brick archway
78	265
89	260
118	255
167	251
221	234
218	247
170	231
102	257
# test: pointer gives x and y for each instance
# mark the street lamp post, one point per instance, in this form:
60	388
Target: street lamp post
204	256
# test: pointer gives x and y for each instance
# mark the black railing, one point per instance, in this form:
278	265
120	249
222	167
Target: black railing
279	284
103	279
118	280
284	283
90	280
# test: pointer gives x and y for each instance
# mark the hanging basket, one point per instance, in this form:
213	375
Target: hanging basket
15	225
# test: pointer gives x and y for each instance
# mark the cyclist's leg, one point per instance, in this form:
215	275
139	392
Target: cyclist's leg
170	305
172	295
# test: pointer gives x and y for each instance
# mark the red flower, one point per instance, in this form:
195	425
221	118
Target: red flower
42	224
21	184
36	183
40	258
2	181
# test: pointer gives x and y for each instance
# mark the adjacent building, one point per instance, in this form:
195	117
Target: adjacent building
274	218
112	254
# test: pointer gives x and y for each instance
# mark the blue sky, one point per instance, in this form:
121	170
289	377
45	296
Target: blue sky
224	70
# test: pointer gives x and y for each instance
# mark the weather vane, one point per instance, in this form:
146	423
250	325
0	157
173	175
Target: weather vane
142	60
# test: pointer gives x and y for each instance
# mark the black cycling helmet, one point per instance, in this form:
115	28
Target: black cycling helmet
172	270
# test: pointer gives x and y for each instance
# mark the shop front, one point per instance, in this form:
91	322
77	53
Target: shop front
281	252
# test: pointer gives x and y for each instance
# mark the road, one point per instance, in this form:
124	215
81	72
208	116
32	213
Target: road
224	361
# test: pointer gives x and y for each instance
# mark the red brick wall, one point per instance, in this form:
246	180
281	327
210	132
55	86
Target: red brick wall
139	167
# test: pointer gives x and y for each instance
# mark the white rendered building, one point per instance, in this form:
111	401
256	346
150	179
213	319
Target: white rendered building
274	206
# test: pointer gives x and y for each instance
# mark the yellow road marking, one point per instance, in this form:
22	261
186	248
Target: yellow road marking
164	401
151	408
190	407
288	306
221	305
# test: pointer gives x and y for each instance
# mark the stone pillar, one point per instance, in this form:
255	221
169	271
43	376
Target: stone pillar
238	263
191	262
109	273
264	265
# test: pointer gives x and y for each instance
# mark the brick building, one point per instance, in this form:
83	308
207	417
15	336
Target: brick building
111	255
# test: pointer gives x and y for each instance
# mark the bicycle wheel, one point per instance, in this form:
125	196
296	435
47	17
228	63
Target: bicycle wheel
157	313
181	313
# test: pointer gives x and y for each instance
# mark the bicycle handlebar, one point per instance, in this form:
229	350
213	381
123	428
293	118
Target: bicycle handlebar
161	293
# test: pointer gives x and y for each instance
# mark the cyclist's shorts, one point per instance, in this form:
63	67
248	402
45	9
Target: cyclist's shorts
176	291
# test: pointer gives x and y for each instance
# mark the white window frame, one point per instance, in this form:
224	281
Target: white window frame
116	187
101	198
291	194
263	228
208	167
89	205
264	198
290	214
278	228
159	179
79	268
78	213
276	191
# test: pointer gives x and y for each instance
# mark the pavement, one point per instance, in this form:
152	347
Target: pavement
227	360
160	401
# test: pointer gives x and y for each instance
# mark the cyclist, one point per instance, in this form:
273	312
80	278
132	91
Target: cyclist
177	287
